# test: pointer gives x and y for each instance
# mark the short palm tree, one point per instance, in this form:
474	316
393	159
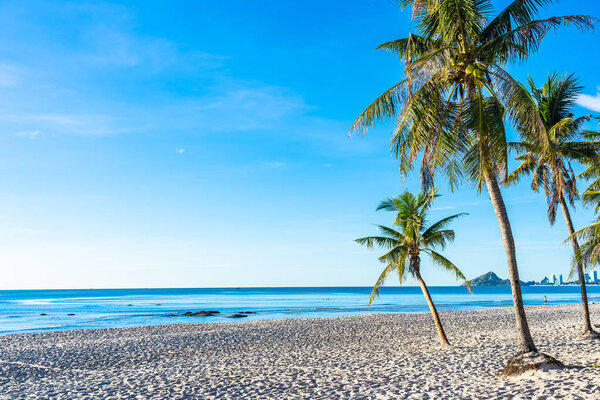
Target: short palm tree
412	238
453	101
549	162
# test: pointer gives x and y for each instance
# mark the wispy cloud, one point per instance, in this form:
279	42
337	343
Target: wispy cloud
180	151
590	102
121	79
189	90
29	134
243	107
32	124
240	106
116	48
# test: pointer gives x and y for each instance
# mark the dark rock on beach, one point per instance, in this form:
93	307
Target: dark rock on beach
200	313
237	316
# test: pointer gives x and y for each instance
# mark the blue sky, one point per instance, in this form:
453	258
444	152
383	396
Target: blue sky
197	144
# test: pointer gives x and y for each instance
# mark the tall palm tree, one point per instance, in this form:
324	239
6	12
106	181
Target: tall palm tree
453	100
405	245
550	162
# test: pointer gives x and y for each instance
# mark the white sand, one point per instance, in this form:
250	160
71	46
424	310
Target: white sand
362	357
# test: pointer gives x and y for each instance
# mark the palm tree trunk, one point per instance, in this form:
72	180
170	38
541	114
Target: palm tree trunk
587	324
436	318
526	343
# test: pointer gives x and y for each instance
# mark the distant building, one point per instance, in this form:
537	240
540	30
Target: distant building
586	277
545	281
595	276
554	279
561	281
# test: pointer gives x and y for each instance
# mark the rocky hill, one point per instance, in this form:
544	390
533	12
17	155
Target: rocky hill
489	279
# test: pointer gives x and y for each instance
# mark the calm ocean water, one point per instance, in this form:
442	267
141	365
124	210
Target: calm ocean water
21	310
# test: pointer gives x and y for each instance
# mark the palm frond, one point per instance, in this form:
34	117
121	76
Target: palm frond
439	239
380	241
411	48
384	107
441	224
526	38
381	280
518	12
527	167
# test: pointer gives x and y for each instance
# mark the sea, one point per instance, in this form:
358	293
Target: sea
28	311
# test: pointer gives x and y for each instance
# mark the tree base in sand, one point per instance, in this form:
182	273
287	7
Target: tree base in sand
589	335
532	361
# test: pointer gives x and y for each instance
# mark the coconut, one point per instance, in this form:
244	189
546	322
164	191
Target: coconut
470	69
478	73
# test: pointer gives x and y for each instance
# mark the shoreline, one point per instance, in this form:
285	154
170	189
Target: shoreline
64	311
363	357
197	321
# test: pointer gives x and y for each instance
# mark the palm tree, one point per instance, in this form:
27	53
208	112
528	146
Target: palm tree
454	98
592	172
405	245
589	251
550	162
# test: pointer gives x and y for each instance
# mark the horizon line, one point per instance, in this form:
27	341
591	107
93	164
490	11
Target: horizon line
225	287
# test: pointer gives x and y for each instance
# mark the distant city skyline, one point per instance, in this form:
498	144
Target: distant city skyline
554	281
204	144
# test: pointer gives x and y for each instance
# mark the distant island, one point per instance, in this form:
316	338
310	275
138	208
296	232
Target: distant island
489	279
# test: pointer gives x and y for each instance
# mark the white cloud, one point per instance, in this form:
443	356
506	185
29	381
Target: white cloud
590	102
29	134
180	151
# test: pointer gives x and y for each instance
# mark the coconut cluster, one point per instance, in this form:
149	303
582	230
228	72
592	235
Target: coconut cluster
477	70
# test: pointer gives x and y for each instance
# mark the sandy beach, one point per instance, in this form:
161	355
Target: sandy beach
385	356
